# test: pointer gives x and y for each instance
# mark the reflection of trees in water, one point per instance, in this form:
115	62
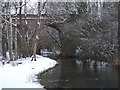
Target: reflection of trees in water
77	73
68	71
72	73
96	69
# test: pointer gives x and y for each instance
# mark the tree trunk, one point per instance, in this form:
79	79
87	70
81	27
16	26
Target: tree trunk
36	32
34	49
67	48
119	26
15	50
0	31
0	37
119	33
4	42
10	44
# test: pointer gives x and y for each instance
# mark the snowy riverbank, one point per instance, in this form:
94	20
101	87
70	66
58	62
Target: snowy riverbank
22	74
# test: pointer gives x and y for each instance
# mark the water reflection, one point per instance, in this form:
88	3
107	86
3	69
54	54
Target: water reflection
74	73
83	73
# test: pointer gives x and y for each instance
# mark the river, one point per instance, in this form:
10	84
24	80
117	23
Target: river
75	73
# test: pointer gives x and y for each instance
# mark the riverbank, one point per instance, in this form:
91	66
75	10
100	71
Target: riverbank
22	72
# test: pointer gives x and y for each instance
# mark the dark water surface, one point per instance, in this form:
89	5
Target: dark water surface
73	73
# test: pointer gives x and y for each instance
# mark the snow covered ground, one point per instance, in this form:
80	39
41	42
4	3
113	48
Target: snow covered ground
17	75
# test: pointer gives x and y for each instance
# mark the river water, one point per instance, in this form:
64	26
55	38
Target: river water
75	73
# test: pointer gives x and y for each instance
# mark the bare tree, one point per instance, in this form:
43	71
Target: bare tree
0	29
15	50
40	9
10	33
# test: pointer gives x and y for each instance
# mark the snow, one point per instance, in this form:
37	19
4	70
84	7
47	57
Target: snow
16	75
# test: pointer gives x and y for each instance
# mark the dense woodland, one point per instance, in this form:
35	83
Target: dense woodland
67	29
